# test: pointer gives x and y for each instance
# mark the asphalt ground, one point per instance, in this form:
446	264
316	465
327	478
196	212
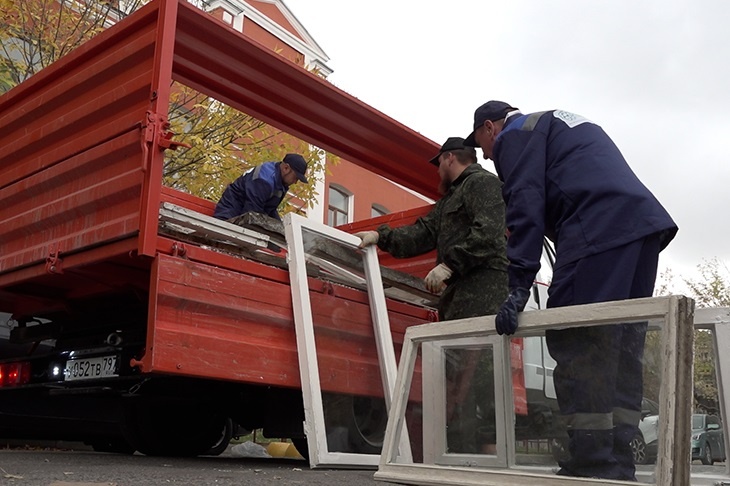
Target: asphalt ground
72	464
56	467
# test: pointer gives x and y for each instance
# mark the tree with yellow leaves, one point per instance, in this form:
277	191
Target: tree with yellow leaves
225	142
34	33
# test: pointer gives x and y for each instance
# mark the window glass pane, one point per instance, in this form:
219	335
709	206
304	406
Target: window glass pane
470	415
376	211
697	422
338	199
541	431
338	207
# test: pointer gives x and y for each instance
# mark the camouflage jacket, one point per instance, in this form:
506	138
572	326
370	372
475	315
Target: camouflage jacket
466	226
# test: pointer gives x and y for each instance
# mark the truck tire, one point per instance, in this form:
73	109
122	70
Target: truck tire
355	424
225	438
171	427
369	419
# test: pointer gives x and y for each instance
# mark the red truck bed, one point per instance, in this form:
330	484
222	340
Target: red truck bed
82	142
81	186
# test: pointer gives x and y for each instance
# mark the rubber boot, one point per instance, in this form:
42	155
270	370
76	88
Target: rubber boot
622	436
591	455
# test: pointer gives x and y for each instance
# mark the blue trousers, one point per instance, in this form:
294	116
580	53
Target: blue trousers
598	377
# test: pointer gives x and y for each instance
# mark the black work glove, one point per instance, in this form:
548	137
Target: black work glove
506	320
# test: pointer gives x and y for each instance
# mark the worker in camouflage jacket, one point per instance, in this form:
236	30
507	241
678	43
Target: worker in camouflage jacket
466	227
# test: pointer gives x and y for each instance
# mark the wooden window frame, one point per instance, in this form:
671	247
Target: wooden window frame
717	320
672	314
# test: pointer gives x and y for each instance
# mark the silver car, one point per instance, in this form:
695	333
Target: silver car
708	442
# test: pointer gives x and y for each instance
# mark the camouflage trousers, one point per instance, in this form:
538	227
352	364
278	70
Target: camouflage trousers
478	293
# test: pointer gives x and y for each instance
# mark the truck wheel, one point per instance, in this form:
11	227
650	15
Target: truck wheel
225	438
355	424
369	419
171	427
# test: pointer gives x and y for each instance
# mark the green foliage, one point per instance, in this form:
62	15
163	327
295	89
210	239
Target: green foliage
710	289
5	82
706	393
652	365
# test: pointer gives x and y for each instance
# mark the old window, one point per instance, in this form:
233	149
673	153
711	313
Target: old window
339	208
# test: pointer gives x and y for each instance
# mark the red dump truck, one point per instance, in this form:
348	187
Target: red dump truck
128	337
123	334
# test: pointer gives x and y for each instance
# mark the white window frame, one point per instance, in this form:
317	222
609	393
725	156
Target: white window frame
673	315
314	425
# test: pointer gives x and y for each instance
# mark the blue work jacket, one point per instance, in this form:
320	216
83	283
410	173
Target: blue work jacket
259	190
564	178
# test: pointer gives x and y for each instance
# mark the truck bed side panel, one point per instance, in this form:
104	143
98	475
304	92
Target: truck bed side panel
83	201
204	325
72	159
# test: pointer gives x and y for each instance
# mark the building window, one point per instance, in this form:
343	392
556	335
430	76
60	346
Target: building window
378	210
338	211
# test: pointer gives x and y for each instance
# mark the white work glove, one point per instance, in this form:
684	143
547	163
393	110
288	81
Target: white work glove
435	280
368	238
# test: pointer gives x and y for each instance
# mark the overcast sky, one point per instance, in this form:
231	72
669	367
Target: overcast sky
654	74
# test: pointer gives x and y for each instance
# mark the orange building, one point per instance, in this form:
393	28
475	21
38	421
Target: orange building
348	193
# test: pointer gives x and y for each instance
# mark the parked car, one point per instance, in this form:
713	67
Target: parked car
708	442
644	446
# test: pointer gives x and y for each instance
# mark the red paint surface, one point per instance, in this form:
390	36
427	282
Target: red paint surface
80	178
213	322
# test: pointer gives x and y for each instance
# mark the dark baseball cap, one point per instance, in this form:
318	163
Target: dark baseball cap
492	111
452	143
298	165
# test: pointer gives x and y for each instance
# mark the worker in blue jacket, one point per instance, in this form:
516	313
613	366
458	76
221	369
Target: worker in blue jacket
564	178
262	188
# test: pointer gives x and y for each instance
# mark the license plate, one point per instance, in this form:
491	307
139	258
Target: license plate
89	368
